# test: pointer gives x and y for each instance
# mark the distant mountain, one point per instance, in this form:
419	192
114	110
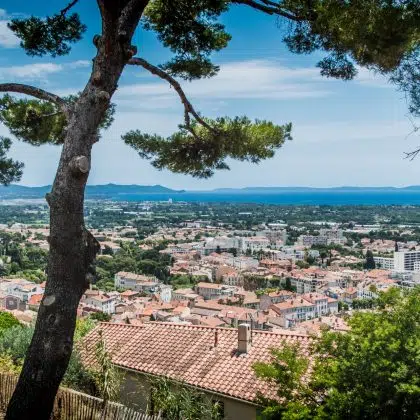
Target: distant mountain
152	192
272	190
108	191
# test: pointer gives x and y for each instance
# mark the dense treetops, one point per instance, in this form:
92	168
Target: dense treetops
370	372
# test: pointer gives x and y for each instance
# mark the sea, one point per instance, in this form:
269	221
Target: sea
339	198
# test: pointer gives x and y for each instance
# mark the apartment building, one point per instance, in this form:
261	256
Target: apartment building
103	302
185	295
23	289
384	263
294	310
137	282
405	260
214	291
254	243
325	237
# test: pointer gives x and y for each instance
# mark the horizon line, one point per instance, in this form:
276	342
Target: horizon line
231	188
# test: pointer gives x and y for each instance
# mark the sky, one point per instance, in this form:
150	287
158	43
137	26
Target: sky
344	133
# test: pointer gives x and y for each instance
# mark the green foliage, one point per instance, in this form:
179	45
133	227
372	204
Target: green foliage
10	170
201	153
7	365
190	29
370	372
78	376
100	316
52	35
106	376
371	33
83	326
407	78
176	401
302	264
370	262
131	258
7	320
190	68
286	371
184	281
15	342
39	122
36	122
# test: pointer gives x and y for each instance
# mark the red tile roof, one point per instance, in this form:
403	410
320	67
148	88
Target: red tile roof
35	299
187	353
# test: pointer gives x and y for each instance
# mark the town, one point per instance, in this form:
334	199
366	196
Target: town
213	274
167	270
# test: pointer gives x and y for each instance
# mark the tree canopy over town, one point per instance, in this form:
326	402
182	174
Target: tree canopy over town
370	372
382	36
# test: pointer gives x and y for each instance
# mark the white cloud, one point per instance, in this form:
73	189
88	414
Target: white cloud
7	38
339	131
253	79
79	64
29	71
370	78
38	71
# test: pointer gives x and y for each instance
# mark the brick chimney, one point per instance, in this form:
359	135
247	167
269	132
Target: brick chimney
244	338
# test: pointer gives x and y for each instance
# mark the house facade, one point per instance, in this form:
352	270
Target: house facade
216	361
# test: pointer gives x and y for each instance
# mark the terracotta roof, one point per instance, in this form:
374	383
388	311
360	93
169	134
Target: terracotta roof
188	353
292	303
35	299
129	293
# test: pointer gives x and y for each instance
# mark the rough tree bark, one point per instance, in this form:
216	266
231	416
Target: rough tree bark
72	247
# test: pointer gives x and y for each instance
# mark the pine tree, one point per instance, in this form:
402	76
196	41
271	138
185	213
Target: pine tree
379	35
370	262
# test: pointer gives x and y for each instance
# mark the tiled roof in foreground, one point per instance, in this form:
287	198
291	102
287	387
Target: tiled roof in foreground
205	357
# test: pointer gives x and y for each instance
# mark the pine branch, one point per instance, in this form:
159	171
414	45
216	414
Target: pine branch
269	7
68	7
188	108
36	93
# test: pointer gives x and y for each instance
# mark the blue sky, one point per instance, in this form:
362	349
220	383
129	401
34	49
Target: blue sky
345	133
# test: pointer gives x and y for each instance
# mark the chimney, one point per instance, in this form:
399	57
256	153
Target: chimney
244	338
216	338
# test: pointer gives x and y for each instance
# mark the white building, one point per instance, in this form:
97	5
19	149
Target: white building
320	301
254	243
274	235
23	289
165	292
364	292
220	244
212	290
137	282
103	302
294	310
325	237
404	260
184	294
384	263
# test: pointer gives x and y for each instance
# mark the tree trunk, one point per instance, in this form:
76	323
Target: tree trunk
72	247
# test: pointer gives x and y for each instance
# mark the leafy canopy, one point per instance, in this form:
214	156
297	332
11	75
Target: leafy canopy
370	372
10	170
200	151
48	36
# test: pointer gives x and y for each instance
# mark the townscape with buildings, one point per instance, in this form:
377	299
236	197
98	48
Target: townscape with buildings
206	288
255	275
